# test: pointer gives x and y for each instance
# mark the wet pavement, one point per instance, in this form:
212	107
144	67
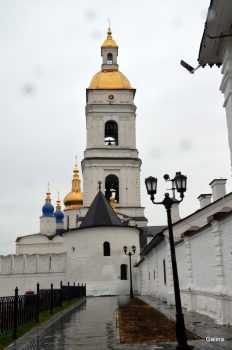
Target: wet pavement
93	326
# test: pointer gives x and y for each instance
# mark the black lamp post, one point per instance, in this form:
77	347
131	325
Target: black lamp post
178	183
130	254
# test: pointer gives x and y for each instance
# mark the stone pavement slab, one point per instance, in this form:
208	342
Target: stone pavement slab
202	325
93	326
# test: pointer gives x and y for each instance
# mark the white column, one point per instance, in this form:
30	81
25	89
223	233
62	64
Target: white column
12	263
219	264
222	303
189	266
37	262
226	88
188	254
24	262
156	275
169	274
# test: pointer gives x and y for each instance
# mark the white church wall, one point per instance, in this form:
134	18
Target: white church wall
226	87
199	218
203	260
162	263
154	280
29	282
204	263
144	277
182	264
86	262
226	228
39	244
24	271
34	263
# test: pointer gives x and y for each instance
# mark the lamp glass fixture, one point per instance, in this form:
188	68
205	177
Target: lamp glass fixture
133	248
180	182
151	185
125	248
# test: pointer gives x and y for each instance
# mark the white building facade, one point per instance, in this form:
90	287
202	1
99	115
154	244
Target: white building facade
85	243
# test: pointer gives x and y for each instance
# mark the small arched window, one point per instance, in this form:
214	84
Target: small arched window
123	272
111	133
109	58
106	249
112	186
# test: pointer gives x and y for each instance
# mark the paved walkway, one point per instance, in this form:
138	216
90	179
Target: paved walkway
93	326
202	325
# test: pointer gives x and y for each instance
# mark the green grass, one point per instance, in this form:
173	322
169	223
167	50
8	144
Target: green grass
7	338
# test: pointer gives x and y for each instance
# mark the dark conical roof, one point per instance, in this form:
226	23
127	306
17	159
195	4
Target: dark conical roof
100	213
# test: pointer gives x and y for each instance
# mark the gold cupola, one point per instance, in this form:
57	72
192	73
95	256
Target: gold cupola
109	42
109	77
74	199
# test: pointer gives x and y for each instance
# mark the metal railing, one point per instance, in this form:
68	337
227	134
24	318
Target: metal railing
18	310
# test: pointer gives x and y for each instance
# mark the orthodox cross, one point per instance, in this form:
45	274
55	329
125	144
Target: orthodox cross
99	185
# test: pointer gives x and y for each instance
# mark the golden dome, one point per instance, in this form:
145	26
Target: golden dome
74	199
109	42
110	80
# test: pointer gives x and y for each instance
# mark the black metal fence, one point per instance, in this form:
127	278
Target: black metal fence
18	310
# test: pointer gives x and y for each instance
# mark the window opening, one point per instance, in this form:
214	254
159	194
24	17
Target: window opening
164	269
111	133
112	186
109	58
106	249
123	272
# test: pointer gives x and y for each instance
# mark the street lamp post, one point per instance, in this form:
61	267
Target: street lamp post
130	254
178	183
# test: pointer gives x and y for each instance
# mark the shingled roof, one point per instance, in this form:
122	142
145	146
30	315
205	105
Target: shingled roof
100	213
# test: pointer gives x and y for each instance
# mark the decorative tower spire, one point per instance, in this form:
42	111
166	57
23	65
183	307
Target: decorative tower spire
109	77
48	195
48	209
74	199
58	206
109	41
76	179
59	215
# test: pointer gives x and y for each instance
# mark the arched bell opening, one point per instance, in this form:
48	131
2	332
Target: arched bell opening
109	58
111	133
112	187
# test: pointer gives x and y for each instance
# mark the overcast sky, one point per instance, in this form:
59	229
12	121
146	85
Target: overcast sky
50	50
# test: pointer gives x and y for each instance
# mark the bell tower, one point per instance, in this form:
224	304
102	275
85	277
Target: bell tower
111	155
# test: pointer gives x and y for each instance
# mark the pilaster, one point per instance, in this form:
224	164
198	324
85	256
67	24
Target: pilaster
156	275
170	295
226	88
189	266
219	264
188	254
